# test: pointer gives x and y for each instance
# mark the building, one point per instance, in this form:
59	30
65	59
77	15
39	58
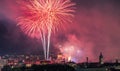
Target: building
101	58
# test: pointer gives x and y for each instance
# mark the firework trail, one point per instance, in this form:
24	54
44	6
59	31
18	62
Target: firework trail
42	17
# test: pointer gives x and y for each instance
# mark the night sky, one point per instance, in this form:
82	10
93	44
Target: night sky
95	29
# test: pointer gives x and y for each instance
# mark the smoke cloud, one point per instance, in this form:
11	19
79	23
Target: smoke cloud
96	29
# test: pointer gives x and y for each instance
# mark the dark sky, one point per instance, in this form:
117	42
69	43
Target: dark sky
95	29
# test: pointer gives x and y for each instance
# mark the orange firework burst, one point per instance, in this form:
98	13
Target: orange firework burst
42	17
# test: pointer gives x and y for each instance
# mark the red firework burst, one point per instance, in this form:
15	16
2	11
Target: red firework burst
45	16
42	17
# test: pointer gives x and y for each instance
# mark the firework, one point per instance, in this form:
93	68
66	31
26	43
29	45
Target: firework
71	51
42	17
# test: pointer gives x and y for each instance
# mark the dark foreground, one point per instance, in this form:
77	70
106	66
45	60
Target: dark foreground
58	67
51	67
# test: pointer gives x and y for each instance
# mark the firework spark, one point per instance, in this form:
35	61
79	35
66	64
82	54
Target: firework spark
42	17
